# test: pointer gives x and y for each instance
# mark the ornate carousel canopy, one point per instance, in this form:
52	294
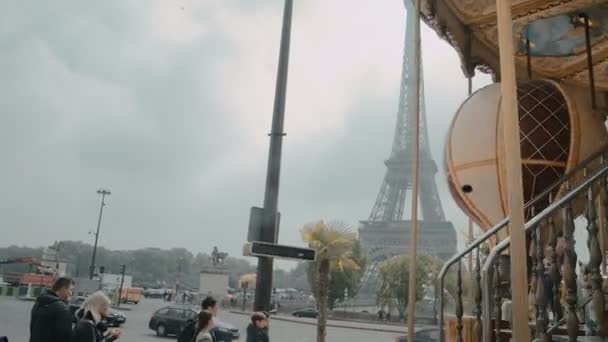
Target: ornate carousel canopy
550	34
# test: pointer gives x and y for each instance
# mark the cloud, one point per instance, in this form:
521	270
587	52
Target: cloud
168	103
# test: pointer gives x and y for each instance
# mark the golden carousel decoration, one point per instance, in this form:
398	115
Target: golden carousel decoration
558	130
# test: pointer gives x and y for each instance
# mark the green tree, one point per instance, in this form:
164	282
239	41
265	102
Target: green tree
150	267
341	282
394	285
334	243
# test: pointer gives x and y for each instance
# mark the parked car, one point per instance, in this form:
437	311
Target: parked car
306	312
424	335
171	320
114	319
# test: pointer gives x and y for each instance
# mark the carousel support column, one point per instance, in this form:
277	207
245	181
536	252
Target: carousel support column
459	307
509	109
533	276
497	302
471	238
603	217
554	274
415	178
595	258
477	288
601	222
570	274
542	319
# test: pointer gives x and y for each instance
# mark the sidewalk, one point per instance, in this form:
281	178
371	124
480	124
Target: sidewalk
357	325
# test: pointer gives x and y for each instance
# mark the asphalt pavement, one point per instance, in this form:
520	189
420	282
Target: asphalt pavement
14	323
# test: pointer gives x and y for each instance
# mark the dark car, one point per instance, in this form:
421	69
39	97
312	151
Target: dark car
306	312
424	335
171	320
114	319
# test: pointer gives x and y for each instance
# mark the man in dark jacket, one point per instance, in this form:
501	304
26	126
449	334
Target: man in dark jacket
51	320
257	330
210	305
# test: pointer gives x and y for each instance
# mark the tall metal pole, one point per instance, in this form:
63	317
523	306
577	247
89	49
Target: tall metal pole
471	238
263	289
103	194
415	178
512	148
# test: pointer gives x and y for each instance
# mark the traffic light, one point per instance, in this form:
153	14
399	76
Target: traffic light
123	268
102	269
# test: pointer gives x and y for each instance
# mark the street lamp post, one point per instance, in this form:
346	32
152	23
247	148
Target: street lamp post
263	289
179	276
103	194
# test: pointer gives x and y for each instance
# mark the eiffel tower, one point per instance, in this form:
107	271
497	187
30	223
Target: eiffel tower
387	231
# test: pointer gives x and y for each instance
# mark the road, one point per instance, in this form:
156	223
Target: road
14	323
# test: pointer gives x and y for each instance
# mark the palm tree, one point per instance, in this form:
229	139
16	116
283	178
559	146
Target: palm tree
333	242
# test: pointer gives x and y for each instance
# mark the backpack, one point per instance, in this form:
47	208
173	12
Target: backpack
188	334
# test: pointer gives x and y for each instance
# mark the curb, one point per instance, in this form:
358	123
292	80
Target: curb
329	324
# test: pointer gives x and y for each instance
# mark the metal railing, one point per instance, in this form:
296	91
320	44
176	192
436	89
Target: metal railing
503	223
533	223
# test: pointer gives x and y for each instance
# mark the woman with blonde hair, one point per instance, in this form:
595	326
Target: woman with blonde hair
90	326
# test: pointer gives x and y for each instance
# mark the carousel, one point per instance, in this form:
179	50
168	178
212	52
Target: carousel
526	161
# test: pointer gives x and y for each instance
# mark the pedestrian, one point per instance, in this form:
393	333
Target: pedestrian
257	330
51	320
205	324
209	304
90	327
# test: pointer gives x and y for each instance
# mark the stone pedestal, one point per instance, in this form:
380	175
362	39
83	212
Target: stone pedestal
214	282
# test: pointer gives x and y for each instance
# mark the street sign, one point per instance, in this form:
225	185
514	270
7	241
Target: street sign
256	215
265	249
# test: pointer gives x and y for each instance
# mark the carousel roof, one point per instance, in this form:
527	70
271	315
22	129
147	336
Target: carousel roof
553	27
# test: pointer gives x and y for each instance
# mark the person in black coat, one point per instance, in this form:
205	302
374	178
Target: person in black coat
257	330
90	326
51	320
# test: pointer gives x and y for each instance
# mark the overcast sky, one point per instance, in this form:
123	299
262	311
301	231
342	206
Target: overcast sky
168	104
